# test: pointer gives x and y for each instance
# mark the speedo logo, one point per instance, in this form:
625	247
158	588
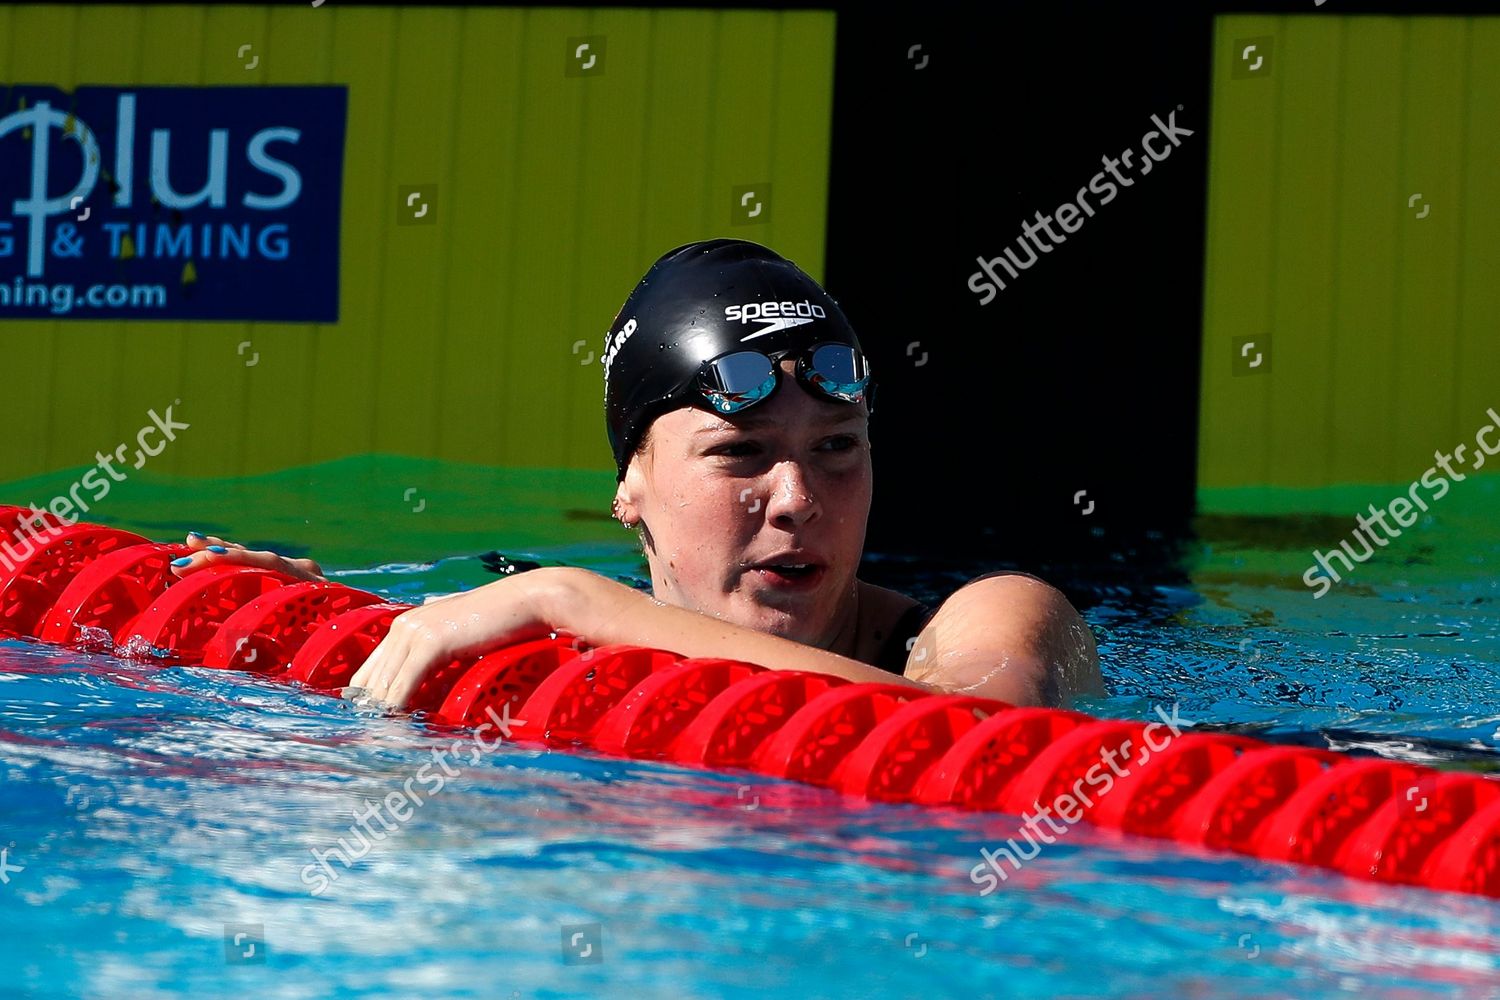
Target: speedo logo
773	315
613	344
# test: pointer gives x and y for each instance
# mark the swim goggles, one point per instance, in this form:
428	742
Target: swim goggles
734	382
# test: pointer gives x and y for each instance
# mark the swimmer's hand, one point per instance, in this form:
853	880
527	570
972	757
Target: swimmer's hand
470	623
210	551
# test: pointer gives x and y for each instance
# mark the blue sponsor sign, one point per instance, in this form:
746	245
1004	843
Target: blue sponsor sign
171	203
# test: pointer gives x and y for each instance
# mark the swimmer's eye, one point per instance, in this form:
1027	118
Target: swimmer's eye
841	443
750	449
737	449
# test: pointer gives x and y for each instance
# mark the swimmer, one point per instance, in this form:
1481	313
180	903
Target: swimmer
737	402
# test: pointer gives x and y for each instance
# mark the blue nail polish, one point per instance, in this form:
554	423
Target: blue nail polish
196	534
183	561
219	549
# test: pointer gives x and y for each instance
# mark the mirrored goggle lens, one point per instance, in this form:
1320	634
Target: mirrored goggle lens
839	371
738	380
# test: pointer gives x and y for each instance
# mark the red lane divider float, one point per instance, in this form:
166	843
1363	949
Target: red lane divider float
337	649
1367	817
182	621
812	744
1320	817
1395	844
110	593
1147	800
265	634
887	763
581	687
18	522
31	584
732	727
978	770
656	711
1230	807
1469	860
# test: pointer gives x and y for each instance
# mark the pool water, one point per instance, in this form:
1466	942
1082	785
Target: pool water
159	824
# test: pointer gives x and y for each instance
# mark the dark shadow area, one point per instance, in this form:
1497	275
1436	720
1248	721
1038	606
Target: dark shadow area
997	408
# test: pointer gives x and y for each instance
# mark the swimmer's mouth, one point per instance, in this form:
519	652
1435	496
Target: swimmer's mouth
790	566
793	570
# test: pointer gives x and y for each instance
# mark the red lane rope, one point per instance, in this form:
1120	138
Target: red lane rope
35	571
1366	817
110	592
265	634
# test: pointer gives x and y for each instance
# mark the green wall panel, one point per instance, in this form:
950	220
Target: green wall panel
1382	324
455	340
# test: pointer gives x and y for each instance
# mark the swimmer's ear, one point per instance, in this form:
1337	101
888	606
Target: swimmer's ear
627	496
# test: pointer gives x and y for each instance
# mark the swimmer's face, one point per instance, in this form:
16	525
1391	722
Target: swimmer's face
719	497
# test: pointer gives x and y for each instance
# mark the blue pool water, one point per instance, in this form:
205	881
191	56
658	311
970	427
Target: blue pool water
158	823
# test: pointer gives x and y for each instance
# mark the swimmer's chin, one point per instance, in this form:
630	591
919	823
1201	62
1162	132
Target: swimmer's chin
782	623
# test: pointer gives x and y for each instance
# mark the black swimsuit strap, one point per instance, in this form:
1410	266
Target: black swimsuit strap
893	654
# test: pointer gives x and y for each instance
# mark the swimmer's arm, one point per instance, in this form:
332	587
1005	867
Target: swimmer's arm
580	603
1008	636
601	611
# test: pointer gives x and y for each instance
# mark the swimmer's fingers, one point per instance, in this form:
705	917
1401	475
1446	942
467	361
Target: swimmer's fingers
208	550
427	638
198	541
365	678
400	662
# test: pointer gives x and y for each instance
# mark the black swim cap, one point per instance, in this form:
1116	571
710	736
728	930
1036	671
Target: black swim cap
698	302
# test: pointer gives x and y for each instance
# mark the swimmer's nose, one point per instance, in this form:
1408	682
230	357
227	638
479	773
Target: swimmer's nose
791	503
